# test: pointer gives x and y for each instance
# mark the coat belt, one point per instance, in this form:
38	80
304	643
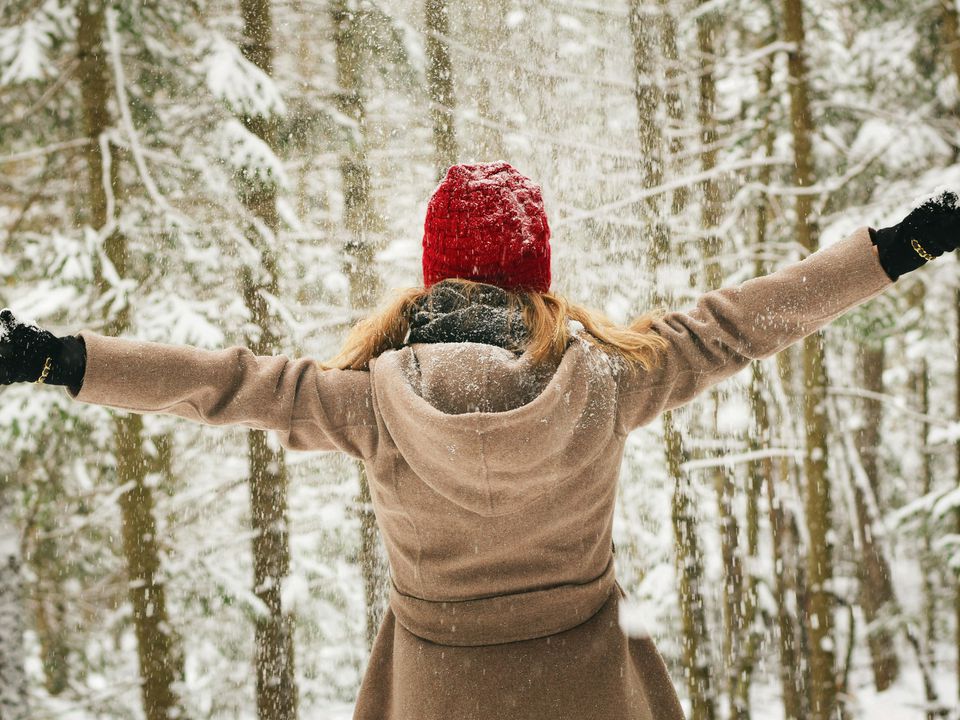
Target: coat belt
503	618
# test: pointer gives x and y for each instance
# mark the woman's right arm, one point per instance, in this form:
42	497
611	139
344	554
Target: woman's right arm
310	408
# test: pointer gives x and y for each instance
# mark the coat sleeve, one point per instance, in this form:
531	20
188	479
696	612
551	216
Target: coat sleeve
731	326
310	408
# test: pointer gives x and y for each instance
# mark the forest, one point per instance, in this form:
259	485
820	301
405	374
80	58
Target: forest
255	173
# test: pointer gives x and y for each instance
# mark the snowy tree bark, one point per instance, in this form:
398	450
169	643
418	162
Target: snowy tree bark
787	597
951	38
487	23
667	27
440	84
876	590
761	472
689	560
769	473
158	661
928	560
13	683
648	98
49	621
723	479
951	35
760	475
277	692
956	579
819	611
689	564
361	222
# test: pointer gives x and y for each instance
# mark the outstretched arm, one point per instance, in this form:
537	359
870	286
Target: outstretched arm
310	408
732	326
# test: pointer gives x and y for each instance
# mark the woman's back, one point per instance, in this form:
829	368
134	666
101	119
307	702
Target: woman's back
489	503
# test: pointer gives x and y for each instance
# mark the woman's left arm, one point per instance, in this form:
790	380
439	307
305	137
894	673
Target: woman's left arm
730	327
310	408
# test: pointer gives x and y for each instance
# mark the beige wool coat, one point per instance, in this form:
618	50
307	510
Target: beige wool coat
494	485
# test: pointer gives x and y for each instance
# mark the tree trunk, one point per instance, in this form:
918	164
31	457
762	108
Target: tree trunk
672	98
158	661
361	222
722	478
648	99
876	589
13	682
823	695
956	585
928	560
951	32
277	692
791	676
47	597
48	615
951	35
440	84
712	209
689	562
788	588
760	472
488	27
872	362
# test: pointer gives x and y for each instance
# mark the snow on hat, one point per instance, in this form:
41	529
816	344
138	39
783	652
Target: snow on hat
486	223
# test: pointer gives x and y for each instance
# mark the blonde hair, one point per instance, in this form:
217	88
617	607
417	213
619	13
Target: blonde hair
546	316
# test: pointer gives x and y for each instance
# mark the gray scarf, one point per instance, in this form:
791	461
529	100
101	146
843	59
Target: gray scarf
448	315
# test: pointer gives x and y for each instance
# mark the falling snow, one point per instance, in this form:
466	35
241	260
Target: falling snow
297	192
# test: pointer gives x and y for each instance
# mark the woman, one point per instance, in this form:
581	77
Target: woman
492	416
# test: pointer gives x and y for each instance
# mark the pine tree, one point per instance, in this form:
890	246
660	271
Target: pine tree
361	223
440	83
155	644
277	694
819	611
13	685
689	561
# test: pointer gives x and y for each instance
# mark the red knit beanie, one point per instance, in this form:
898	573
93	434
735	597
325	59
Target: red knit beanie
486	223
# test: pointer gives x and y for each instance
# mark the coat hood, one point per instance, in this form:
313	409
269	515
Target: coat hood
489	430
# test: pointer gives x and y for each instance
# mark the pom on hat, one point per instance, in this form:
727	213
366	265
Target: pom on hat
487	223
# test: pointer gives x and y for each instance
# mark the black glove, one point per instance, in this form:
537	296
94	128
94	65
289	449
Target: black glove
927	232
26	351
